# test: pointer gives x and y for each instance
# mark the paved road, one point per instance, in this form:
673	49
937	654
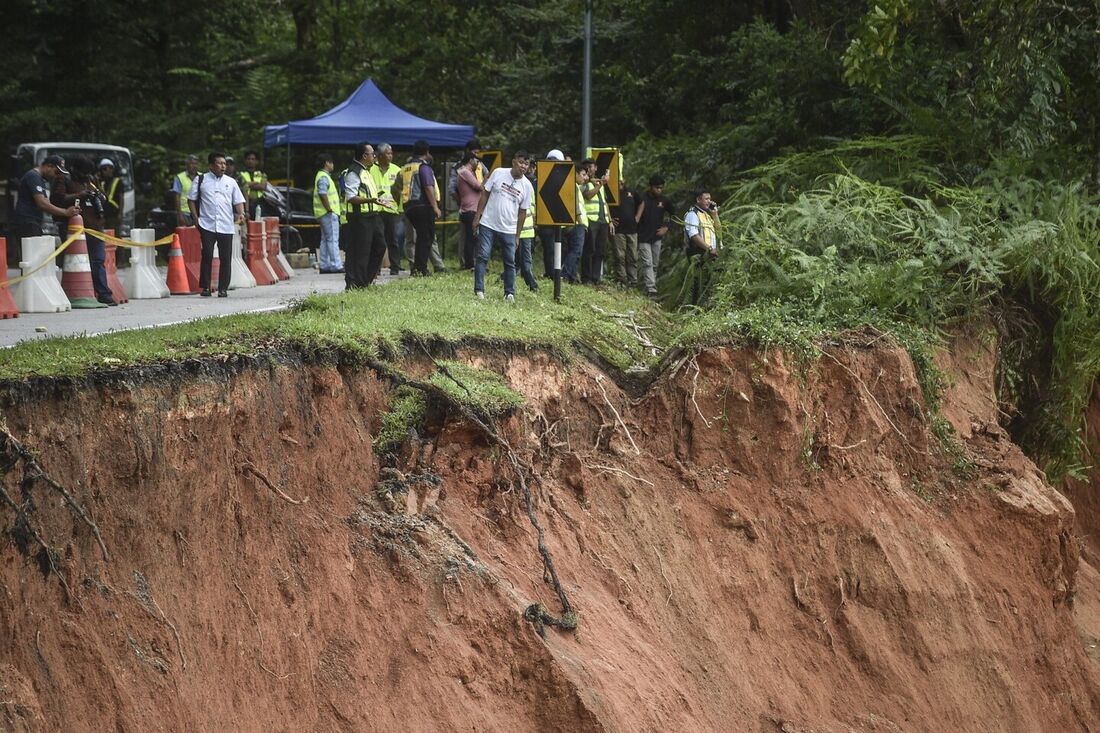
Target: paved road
174	309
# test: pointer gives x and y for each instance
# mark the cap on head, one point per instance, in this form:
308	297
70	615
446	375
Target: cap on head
58	162
555	154
106	162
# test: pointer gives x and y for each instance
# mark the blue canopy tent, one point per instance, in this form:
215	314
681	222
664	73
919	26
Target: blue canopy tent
367	115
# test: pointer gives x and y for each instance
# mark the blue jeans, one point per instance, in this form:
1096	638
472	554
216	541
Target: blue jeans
486	237
330	242
573	246
524	257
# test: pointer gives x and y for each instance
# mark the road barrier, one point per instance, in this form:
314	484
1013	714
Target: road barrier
143	279
191	244
275	258
256	254
240	275
38	290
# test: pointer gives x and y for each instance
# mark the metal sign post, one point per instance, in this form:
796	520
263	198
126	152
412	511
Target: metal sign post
556	205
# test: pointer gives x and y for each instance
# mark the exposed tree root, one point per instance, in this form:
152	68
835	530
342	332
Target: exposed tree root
249	467
536	613
14	451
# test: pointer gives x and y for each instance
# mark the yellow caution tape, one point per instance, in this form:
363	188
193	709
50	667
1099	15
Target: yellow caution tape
72	238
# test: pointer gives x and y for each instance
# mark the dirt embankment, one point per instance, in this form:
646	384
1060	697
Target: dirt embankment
750	546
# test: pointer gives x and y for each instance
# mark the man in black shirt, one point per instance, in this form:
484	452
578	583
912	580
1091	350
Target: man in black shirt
625	218
34	197
654	212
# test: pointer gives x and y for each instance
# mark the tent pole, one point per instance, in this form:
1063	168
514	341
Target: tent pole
288	176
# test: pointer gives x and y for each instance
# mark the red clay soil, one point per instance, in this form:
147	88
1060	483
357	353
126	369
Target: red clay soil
751	546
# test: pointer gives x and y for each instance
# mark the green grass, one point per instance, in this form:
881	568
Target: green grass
370	323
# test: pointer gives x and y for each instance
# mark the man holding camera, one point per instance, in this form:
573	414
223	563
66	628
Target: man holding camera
216	204
78	190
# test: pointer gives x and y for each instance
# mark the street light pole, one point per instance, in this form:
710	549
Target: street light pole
586	105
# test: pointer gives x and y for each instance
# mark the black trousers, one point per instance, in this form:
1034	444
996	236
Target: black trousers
365	247
469	241
389	227
225	254
422	218
595	247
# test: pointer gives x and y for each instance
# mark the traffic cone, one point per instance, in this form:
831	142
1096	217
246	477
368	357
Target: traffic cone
111	263
8	308
76	273
177	272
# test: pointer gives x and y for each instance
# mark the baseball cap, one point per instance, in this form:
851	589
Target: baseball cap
58	162
106	161
555	154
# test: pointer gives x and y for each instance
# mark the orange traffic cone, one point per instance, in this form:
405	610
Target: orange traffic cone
8	308
76	274
177	272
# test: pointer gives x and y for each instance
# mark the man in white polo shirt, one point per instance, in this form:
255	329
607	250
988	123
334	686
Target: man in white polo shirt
504	203
214	198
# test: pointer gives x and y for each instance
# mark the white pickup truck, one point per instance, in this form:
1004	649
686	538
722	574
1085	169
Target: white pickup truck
28	155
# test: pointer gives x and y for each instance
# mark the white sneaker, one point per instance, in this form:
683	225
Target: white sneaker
480	295
510	299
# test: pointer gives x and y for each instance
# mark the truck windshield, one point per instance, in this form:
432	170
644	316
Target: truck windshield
121	159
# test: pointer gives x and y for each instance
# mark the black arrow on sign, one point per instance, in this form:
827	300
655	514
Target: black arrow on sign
550	194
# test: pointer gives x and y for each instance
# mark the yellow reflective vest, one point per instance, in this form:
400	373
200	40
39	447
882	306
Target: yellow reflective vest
333	195
385	180
249	178
597	204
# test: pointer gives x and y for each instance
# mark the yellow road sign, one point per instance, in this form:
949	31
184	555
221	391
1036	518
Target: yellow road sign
491	158
556	194
608	159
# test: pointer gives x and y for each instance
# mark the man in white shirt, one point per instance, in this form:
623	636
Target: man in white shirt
500	214
216	203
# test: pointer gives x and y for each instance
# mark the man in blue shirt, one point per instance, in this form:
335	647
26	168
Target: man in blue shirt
34	197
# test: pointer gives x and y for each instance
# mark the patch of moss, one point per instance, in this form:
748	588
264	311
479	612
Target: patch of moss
482	390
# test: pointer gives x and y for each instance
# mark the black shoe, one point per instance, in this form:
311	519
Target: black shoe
106	300
439	269
395	270
339	271
223	294
205	293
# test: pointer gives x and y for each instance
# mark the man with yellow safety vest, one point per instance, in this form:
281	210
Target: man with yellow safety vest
326	207
599	225
701	229
362	204
527	243
111	187
573	247
181	187
385	173
253	181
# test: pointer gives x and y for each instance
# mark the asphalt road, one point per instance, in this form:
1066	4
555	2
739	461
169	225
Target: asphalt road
164	311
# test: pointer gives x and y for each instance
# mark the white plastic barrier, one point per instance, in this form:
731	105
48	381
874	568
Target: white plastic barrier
240	277
41	292
143	280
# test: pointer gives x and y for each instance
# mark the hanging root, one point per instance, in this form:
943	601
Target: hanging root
13	452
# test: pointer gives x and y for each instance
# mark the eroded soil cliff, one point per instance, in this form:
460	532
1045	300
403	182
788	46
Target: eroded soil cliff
751	545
